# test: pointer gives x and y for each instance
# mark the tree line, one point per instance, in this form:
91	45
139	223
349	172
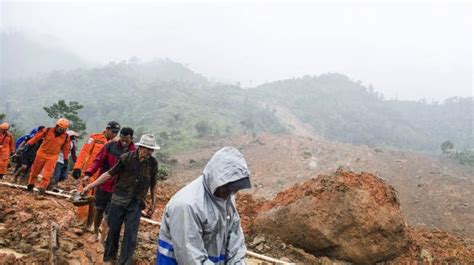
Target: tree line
184	108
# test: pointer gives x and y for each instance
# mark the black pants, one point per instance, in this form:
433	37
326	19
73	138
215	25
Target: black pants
102	200
117	215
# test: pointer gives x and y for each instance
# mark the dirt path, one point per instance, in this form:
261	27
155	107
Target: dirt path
25	222
294	125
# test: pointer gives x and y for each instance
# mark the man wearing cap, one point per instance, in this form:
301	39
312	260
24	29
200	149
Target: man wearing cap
136	173
95	142
55	140
7	147
105	160
200	224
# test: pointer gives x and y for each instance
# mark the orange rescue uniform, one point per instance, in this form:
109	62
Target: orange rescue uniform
87	155
90	150
47	154
7	146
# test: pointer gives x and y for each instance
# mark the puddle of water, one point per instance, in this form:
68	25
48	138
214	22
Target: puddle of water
11	251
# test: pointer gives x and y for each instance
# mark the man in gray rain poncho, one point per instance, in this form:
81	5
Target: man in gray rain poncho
200	223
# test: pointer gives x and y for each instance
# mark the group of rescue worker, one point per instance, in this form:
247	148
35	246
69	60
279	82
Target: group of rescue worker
200	224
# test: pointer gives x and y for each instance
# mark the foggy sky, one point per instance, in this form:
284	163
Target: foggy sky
408	51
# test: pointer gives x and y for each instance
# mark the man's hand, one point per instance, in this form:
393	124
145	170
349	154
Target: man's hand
76	173
85	190
85	179
150	212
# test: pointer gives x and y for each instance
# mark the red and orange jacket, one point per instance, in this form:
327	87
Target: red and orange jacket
106	159
7	143
90	150
52	144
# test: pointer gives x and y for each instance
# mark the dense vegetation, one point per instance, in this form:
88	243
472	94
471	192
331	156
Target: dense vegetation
347	111
183	108
161	97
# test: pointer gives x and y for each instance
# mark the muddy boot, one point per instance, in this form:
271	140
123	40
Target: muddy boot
23	178
90	218
104	229
41	194
53	187
30	188
99	214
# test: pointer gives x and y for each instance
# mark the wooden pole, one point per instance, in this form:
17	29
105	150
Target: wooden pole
147	220
53	243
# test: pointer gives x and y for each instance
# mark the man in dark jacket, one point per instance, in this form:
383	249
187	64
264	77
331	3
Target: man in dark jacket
105	160
136	173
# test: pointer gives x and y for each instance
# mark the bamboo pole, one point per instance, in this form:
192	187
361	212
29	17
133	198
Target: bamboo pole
53	243
153	222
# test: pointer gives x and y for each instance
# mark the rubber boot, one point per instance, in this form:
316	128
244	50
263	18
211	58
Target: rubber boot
41	194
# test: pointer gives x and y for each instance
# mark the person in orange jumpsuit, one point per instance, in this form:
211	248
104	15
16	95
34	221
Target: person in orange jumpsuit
55	140
85	214
7	147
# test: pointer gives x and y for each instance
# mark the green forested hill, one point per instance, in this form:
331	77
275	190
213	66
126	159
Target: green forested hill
343	110
161	97
182	107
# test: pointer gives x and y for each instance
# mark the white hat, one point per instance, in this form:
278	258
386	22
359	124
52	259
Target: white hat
148	141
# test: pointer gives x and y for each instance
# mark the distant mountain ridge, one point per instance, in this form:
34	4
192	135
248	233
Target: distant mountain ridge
162	97
22	57
340	109
183	107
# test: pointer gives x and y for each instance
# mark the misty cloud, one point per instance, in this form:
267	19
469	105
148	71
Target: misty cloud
409	51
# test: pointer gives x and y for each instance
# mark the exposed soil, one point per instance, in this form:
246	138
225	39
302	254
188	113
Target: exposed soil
435	192
437	247
25	223
435	196
355	217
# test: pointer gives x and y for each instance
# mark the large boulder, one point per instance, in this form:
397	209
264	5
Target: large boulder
348	216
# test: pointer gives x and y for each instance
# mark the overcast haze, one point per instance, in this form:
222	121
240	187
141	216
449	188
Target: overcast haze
408	51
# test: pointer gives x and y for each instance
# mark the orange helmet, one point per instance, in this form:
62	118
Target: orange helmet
4	126
63	123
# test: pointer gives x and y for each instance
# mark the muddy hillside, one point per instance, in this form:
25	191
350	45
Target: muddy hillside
338	217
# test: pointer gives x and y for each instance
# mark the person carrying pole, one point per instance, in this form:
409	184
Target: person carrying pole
55	140
136	174
106	159
93	145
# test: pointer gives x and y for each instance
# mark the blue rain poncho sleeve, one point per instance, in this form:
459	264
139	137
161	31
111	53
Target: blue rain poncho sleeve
186	234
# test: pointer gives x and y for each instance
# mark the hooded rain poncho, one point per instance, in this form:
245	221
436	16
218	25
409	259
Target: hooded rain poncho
200	228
